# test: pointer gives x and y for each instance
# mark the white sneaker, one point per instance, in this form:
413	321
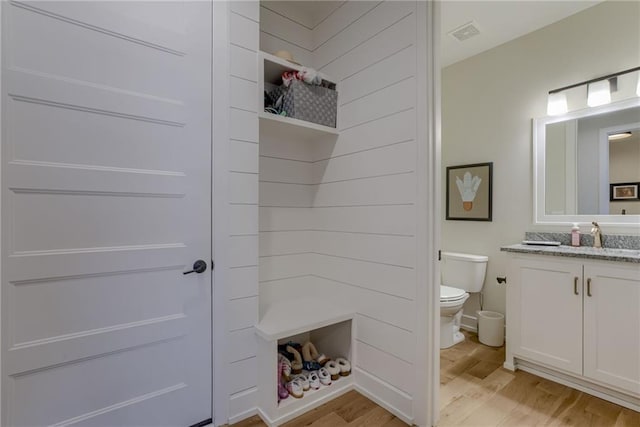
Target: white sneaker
295	388
304	380
314	380
325	376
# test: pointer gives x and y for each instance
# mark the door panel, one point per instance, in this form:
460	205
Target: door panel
550	313
106	200
612	326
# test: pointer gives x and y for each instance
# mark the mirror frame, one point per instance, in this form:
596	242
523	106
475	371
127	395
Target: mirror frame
621	224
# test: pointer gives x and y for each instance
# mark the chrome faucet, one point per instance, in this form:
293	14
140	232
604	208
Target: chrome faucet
597	235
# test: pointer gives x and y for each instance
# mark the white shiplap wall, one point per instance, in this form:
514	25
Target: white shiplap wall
338	217
242	286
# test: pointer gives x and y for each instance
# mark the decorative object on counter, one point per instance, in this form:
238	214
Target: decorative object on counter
597	235
575	235
345	366
469	192
624	192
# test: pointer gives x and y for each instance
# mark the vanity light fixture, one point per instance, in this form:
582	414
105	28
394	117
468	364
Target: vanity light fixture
557	104
598	92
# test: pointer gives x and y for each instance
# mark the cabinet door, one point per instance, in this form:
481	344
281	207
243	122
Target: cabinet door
612	325
546	312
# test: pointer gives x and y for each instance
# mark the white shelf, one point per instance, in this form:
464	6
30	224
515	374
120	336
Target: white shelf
292	317
271	123
274	67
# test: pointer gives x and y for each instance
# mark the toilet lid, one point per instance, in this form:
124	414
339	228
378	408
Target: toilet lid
447	293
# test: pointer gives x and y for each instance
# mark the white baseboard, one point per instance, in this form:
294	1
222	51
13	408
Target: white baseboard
469	323
390	398
242	405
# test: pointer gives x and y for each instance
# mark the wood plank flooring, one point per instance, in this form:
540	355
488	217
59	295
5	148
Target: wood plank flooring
476	391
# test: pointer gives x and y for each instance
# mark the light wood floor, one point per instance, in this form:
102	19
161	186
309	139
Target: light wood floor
476	391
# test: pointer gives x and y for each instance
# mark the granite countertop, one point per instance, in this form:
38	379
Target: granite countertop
606	254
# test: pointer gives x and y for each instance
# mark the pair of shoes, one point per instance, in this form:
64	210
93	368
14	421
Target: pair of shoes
324	376
311	356
338	368
282	391
286	366
296	365
295	387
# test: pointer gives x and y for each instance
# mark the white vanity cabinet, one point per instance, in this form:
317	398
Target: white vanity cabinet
577	321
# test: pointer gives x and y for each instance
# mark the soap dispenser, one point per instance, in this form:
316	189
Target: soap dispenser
575	235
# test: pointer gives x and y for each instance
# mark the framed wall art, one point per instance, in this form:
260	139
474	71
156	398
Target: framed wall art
469	192
624	192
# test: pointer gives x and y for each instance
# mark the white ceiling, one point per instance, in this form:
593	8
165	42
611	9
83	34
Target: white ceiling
499	22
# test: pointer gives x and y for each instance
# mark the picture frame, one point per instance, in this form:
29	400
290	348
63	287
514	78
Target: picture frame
624	192
469	192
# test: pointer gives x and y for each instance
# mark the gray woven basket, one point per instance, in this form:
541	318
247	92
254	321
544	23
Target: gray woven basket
311	103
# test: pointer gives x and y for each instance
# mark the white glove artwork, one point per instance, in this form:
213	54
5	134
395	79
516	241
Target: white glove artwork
468	189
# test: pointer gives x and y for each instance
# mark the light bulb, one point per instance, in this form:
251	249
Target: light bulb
557	104
598	93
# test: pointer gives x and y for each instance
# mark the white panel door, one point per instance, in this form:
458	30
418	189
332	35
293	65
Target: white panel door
106	200
612	325
547	320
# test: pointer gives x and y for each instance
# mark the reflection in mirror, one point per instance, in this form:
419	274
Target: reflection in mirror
583	157
576	161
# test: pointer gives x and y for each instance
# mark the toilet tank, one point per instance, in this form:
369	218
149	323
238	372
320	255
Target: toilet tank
463	271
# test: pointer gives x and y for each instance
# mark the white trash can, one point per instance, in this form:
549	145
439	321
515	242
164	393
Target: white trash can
491	328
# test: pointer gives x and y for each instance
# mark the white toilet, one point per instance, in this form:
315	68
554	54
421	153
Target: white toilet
460	274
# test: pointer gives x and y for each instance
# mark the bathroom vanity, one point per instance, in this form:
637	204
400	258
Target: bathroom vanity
574	317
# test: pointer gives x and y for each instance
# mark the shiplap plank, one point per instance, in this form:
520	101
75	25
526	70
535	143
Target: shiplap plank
243	63
385	308
285	195
285	29
390	339
285	147
242	344
362	29
244	32
243	313
243	220
243	282
283	219
284	242
388	279
243	157
285	266
283	170
385	249
388	368
394	189
243	187
243	125
391	99
241	402
388	71
246	8
387	130
381	161
367	219
337	22
243	94
383	44
271	44
242	375
243	251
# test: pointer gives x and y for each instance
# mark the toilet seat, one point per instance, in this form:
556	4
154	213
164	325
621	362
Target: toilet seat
449	294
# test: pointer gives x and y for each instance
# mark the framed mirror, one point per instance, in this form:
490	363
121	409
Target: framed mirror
587	165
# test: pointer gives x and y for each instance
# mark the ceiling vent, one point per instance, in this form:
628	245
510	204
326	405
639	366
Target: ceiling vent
465	32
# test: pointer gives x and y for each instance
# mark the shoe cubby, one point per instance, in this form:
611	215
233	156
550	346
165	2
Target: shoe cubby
332	336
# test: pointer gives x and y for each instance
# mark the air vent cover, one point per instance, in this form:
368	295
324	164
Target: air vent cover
465	32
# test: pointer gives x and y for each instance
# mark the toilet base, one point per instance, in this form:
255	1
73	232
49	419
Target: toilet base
450	334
